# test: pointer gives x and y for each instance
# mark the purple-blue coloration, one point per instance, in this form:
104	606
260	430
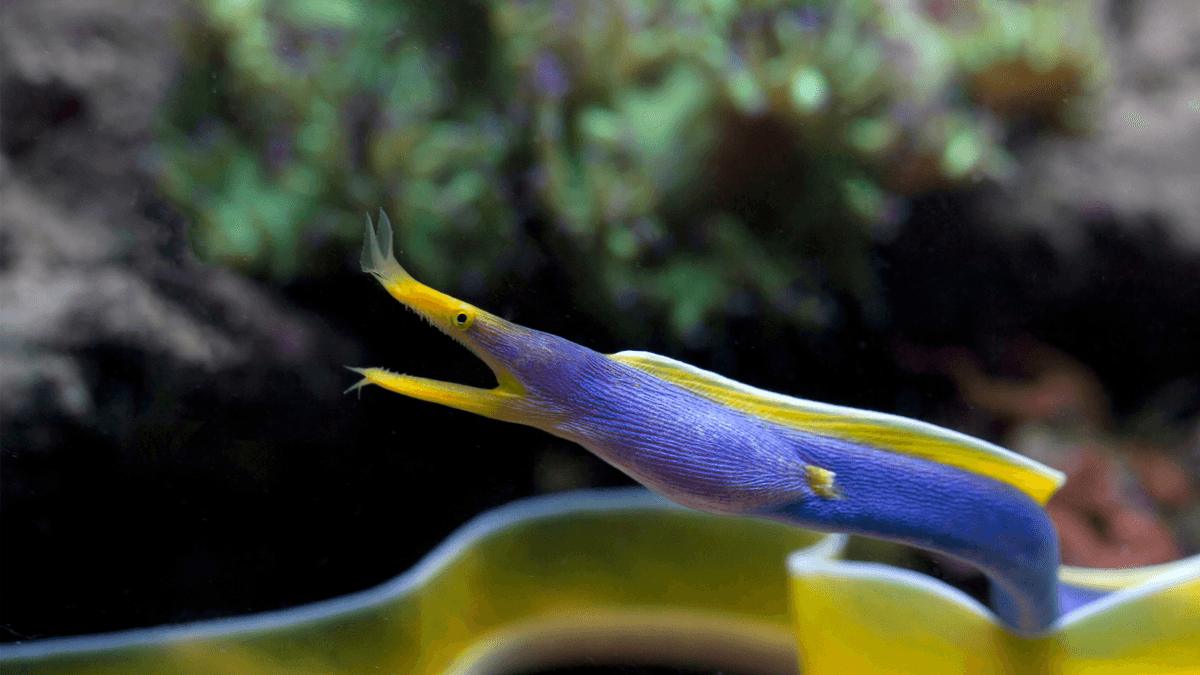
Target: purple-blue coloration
718	446
1071	598
716	458
551	76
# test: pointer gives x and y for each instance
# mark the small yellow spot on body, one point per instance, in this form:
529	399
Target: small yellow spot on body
821	482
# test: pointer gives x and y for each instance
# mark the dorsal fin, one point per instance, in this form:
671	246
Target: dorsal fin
879	430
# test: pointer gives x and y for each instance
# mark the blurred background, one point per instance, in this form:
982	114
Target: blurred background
980	213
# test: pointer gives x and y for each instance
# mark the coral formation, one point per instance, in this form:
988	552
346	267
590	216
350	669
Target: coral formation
1128	500
692	159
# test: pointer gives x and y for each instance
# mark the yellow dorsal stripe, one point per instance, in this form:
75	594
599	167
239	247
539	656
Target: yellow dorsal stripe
880	430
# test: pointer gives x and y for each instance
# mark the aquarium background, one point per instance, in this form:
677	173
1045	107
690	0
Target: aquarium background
980	213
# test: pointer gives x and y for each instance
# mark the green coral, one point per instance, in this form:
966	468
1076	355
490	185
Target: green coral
296	117
682	154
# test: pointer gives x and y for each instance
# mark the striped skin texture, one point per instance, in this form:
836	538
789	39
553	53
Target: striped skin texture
715	445
896	434
718	459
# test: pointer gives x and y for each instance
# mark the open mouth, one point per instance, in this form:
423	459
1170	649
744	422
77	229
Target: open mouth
450	315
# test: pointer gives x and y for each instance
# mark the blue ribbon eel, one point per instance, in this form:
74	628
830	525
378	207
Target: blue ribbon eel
713	444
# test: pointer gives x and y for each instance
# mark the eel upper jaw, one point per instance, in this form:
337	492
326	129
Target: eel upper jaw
441	311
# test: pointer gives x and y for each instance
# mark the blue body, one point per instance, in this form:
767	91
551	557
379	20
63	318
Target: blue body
716	458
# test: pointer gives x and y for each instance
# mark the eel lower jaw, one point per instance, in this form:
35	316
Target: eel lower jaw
497	403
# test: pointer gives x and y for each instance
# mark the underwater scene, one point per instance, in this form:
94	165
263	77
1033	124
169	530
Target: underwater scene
585	337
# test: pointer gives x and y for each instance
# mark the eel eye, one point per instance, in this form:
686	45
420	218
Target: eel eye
463	319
